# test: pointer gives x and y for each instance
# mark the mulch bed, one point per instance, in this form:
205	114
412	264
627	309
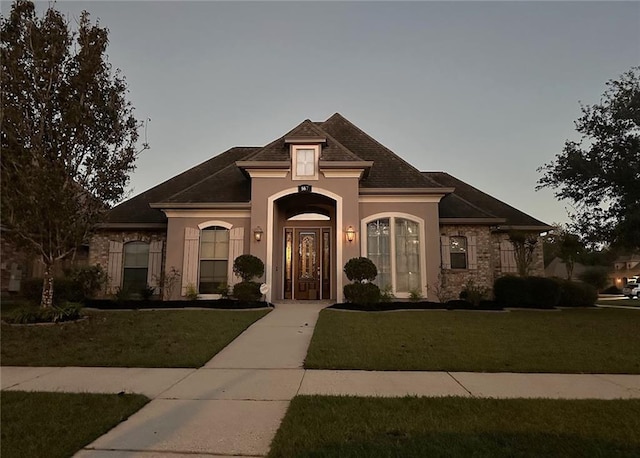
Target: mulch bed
224	304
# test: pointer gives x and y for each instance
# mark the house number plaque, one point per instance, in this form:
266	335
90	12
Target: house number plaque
304	188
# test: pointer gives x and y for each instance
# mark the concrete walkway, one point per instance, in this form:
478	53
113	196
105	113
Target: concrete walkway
234	404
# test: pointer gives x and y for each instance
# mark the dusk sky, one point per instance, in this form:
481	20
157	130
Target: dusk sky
486	91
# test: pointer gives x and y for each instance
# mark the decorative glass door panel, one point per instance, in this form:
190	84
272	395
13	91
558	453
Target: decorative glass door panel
307	272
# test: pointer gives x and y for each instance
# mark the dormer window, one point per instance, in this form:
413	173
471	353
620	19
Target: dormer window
304	161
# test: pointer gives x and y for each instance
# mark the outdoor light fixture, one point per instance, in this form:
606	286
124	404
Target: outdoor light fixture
257	233
351	234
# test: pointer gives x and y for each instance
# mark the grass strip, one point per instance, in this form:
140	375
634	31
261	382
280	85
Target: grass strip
165	338
327	426
59	424
567	341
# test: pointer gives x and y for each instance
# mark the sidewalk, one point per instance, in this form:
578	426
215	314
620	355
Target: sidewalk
234	404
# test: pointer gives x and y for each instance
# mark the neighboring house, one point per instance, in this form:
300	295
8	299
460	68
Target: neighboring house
557	268
624	268
16	265
305	204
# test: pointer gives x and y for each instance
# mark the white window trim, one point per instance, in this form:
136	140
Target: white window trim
294	162
202	226
423	249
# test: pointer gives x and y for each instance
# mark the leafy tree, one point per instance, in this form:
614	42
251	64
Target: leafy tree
68	133
600	173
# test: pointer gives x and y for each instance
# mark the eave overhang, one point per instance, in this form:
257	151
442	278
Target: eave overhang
530	228
405	191
132	226
202	205
478	221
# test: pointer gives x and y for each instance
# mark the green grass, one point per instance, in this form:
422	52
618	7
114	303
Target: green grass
59	424
166	338
571	341
318	426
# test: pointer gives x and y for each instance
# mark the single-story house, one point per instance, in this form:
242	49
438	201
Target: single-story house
306	203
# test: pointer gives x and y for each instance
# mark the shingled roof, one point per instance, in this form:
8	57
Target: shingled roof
467	202
137	209
220	180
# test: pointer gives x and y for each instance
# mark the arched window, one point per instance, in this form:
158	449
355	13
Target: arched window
136	267
214	254
393	244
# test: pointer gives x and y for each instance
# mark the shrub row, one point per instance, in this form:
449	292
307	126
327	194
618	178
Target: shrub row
541	292
29	315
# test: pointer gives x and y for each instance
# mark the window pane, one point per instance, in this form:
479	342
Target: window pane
134	279
136	254
378	250
458	251
305	165
407	255
214	253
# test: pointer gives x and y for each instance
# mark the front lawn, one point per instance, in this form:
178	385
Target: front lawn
567	341
59	424
327	426
166	338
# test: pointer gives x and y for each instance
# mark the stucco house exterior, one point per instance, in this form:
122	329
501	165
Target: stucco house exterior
305	204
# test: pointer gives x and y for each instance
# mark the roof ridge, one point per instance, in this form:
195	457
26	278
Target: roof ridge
338	116
337	142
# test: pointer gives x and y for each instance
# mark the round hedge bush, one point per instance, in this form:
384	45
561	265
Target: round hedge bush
248	267
360	269
362	293
247	291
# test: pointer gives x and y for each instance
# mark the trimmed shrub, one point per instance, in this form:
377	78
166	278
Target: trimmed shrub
247	291
29	315
248	267
362	293
543	292
510	291
576	294
88	279
360	269
527	292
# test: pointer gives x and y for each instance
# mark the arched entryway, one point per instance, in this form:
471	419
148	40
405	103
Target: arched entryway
303	246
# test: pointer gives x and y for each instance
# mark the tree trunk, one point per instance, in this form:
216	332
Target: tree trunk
47	287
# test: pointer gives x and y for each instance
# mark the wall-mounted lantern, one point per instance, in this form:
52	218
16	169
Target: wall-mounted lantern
351	234
257	233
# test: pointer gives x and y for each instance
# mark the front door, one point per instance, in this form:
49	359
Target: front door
307	271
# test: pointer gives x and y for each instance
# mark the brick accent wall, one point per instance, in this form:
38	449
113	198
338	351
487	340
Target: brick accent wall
99	246
453	281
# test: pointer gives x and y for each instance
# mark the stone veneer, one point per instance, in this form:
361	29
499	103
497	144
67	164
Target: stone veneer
99	247
453	281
